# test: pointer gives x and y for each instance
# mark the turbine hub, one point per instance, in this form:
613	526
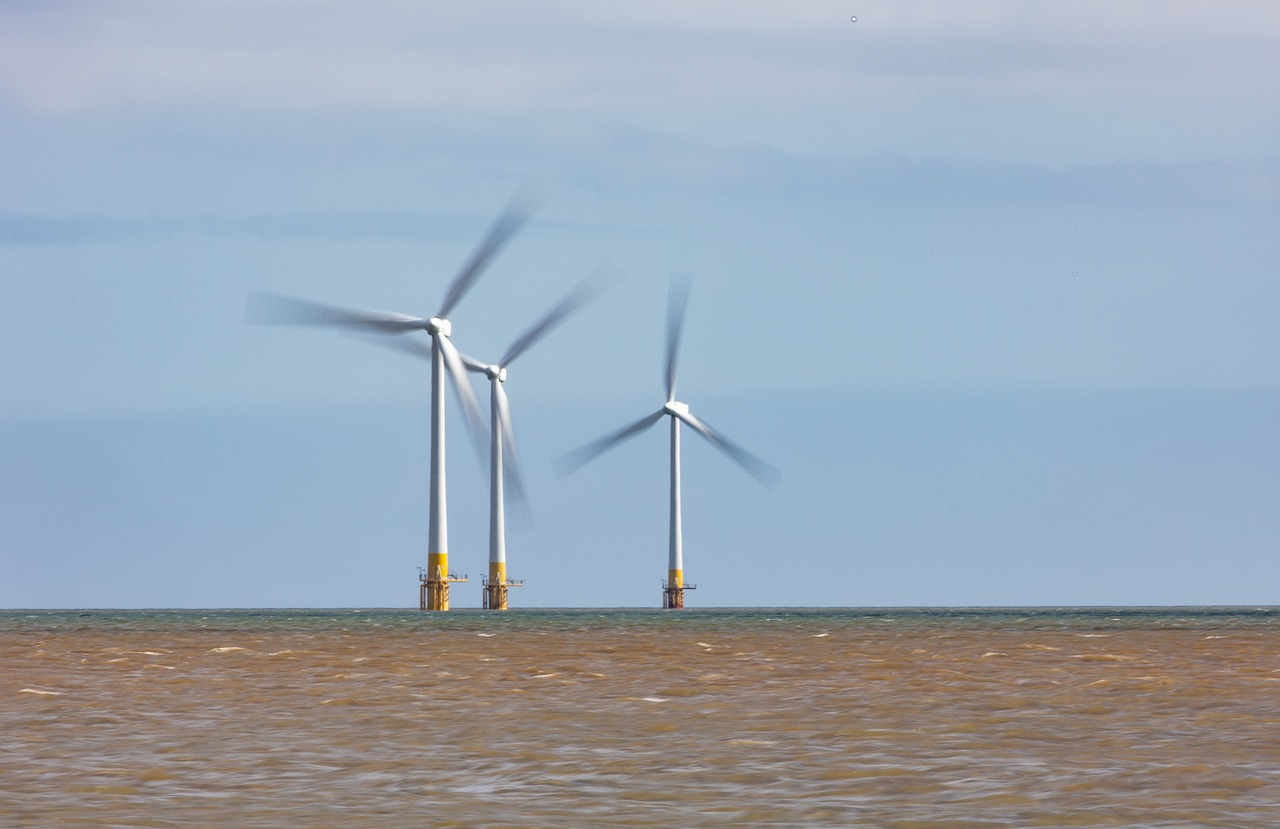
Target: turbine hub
676	408
496	373
435	325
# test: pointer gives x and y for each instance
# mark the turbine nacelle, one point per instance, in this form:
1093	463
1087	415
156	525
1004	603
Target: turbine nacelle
435	325
496	372
676	409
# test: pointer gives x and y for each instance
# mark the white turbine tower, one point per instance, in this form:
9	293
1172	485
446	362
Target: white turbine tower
503	460
268	308
674	586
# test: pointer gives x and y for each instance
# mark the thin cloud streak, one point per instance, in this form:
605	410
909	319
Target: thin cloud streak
630	62
760	173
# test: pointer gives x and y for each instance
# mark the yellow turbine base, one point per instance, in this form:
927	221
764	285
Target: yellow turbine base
496	586
673	590
433	593
495	596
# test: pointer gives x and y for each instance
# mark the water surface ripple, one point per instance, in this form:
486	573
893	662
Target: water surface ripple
929	719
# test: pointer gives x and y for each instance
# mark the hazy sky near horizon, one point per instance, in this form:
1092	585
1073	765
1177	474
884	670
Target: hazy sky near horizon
994	285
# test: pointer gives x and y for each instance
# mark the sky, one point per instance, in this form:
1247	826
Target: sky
993	285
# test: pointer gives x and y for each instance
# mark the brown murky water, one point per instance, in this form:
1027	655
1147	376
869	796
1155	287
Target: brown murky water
922	719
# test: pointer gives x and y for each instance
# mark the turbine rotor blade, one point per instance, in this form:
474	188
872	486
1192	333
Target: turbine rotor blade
466	395
600	280
472	364
757	468
406	345
677	302
276	309
572	461
514	478
522	206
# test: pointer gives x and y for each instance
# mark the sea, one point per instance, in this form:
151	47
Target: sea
385	719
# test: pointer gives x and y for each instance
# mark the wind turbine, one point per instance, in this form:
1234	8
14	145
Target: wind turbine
434	582
503	460
674	586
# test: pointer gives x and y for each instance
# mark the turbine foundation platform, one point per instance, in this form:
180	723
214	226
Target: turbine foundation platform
673	594
495	592
433	589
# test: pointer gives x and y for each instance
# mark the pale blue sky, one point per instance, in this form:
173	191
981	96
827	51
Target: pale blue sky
993	285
